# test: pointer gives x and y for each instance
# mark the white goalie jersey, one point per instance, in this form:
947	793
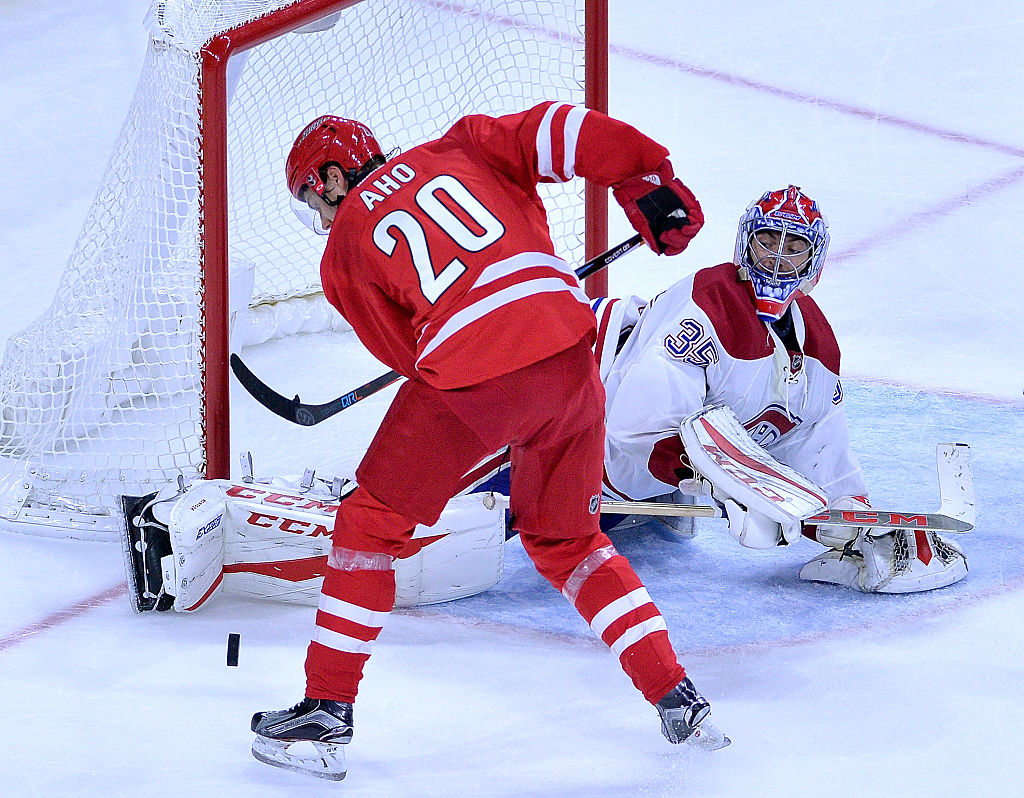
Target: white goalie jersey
699	343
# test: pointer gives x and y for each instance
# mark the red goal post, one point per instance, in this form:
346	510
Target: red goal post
190	251
213	89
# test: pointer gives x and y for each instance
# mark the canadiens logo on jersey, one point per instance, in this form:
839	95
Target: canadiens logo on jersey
771	424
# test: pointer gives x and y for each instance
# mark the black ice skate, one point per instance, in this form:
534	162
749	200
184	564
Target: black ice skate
684	714
145	542
307	738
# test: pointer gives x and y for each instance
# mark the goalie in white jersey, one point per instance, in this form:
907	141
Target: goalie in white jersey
743	335
746	335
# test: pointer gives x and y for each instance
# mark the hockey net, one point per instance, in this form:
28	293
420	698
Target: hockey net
120	386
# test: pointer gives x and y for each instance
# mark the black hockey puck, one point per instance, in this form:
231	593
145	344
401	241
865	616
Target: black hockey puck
233	650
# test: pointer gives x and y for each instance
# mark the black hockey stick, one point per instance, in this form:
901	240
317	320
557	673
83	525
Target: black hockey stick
293	409
307	415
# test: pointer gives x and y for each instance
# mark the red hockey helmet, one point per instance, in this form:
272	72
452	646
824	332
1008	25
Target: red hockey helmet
325	140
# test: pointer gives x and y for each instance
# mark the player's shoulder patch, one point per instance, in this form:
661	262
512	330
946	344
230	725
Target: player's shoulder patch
728	305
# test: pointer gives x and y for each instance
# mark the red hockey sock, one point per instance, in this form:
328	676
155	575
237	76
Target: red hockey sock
605	590
354	601
615	603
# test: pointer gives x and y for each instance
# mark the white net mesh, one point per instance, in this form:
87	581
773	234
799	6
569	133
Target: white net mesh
102	396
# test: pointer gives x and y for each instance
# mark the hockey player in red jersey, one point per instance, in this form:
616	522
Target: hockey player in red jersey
441	261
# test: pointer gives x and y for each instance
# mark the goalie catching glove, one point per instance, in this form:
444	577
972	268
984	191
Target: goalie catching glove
661	209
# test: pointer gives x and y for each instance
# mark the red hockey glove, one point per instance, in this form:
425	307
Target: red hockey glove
661	209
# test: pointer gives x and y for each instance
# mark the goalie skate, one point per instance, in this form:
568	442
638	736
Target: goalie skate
308	738
144	543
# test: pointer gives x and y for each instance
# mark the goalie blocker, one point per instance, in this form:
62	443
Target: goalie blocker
185	543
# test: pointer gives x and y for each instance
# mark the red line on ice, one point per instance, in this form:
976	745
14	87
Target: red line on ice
817	101
909	223
60	616
747	83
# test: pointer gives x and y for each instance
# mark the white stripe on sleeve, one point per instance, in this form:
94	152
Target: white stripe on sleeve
571	133
544	148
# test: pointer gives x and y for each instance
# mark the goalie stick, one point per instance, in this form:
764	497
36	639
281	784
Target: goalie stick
956	502
298	412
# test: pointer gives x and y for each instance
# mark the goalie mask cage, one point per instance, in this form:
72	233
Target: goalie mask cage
123	383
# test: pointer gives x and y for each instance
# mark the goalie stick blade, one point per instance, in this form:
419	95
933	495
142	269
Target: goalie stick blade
956	500
956	482
933	522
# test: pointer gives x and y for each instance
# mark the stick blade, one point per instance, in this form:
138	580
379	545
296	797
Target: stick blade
956	482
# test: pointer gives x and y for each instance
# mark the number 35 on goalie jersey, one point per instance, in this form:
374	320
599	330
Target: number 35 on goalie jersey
441	259
692	344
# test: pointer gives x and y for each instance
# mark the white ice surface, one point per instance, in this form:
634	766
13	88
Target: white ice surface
904	120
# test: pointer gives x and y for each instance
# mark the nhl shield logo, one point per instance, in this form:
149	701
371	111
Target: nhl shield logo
595	503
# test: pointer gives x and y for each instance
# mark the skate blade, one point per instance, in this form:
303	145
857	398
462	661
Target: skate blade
323	760
708	737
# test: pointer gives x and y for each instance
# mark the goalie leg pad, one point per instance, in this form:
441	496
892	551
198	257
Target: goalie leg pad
173	546
196	525
466	560
276	546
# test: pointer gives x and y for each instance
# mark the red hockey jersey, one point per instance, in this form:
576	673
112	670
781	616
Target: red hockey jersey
441	260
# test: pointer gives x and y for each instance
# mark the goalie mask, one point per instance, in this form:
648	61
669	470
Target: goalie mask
780	248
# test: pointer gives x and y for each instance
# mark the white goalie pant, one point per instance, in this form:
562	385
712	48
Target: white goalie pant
271	540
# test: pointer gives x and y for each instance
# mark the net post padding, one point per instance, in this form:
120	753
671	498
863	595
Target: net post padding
596	196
